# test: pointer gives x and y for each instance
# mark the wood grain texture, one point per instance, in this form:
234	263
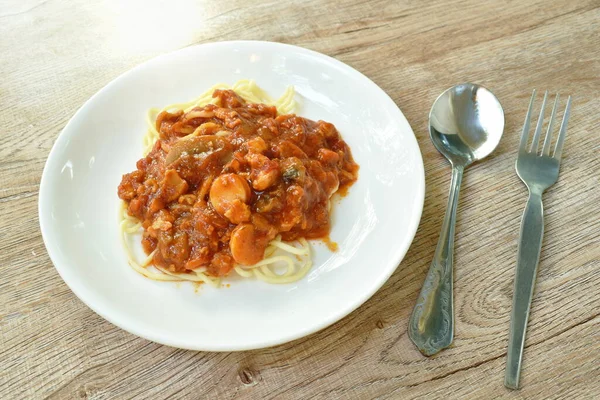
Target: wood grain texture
55	55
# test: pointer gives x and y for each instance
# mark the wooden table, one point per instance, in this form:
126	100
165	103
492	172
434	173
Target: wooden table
55	55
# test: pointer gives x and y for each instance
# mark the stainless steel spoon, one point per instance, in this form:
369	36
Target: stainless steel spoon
465	125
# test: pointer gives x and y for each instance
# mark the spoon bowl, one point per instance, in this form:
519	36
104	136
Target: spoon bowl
466	123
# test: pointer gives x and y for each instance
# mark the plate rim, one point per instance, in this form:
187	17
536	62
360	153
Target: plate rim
359	300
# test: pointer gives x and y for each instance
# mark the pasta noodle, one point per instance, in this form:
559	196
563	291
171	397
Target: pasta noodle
282	263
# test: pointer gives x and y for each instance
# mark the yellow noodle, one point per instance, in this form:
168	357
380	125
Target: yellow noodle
296	268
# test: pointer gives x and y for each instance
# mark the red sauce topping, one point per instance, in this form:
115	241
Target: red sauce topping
223	180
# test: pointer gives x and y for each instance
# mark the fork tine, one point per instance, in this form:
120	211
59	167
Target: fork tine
546	148
538	128
525	134
563	131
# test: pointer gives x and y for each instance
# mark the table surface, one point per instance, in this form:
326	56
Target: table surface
55	55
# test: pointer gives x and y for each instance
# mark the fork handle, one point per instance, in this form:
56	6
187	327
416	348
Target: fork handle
530	245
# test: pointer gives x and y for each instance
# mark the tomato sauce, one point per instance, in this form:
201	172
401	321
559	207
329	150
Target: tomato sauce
223	180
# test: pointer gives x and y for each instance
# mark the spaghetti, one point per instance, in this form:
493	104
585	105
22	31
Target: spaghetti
282	262
245	88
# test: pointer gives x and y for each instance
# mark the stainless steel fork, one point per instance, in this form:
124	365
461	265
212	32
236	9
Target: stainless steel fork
538	172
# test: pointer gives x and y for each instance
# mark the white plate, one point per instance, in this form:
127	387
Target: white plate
374	225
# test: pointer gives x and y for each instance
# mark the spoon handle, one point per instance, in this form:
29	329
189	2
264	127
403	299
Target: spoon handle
431	326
